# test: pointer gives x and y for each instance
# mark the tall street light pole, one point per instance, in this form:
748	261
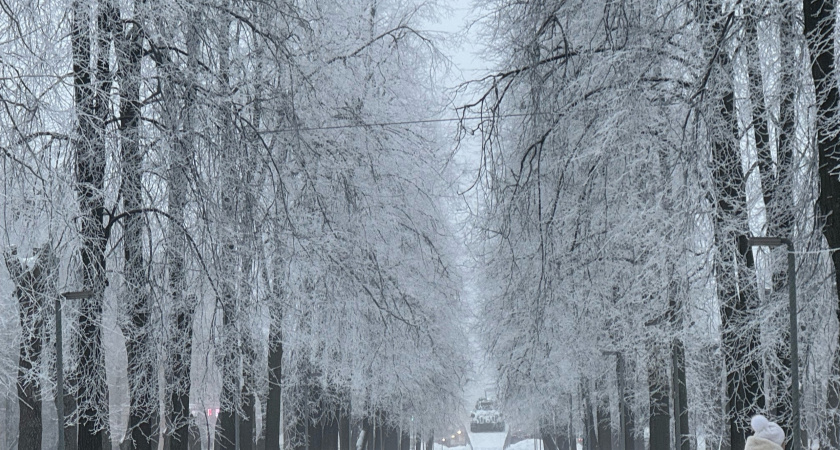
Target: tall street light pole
59	361
794	329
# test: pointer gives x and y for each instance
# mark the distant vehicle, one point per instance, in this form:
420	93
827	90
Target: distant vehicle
485	417
454	437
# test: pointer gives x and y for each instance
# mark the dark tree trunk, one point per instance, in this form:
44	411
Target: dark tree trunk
329	433
781	204
376	436
296	435
71	432
390	436
91	102
248	422
344	435
820	18
180	358
549	442
314	434
660	417
590	430
624	408
142	376
32	287
227	424
178	382
777	182
273	416
323	426
604	423
833	404
681	432
738	302
405	441
734	271
366	434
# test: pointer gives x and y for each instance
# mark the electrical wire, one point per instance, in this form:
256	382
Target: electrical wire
404	122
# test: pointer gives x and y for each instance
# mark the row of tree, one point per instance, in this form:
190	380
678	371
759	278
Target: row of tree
629	150
260	259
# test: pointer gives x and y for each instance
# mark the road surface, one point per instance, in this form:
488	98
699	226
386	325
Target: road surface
488	441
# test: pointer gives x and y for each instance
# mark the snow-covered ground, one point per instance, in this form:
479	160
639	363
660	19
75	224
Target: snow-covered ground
527	444
494	441
487	441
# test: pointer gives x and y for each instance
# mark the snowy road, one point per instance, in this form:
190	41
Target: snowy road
487	441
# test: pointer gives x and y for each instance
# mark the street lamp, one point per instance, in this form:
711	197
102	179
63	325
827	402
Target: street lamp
794	340
59	361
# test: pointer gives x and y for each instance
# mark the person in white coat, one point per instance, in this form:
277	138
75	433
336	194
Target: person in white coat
767	435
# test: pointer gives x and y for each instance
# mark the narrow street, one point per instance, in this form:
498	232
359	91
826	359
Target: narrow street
488	441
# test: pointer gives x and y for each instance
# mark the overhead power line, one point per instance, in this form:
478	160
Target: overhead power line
404	122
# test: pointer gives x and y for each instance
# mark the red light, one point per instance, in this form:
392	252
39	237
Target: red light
209	411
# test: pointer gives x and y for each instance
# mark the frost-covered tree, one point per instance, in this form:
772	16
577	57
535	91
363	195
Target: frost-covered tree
629	150
237	196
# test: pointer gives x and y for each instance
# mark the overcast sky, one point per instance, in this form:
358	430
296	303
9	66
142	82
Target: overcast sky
463	50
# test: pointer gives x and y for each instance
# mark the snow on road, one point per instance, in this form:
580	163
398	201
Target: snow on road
527	444
487	441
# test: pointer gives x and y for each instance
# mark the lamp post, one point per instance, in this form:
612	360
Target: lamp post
59	361
794	329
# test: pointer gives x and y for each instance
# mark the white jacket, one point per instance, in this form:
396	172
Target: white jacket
757	443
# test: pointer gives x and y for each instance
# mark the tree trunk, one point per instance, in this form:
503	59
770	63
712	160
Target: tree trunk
781	206
273	414
590	431
734	264
32	287
390	436
71	432
227	424
142	375
179	374
604	423
329	433
91	103
344	434
625	411
179	354
248	422
777	181
681	432
366	435
820	23
660	417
